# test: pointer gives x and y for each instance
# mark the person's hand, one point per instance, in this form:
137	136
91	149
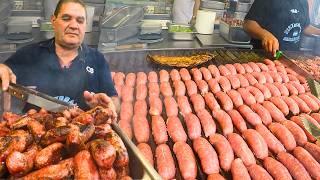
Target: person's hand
6	76
270	43
193	21
99	99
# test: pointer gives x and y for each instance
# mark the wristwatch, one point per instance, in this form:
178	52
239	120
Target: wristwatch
194	17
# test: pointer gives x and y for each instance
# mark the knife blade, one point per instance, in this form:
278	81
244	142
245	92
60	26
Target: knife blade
37	98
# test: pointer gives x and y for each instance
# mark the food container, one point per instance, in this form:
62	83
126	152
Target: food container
108	35
239	6
233	34
219	14
307	43
181	32
212	4
316	48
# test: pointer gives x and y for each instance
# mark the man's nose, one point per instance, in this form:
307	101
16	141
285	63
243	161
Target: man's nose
74	24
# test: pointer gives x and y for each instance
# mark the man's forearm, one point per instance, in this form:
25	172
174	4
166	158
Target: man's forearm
311	30
196	7
254	29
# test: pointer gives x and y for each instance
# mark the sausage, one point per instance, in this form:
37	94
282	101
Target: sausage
302	79
211	101
49	155
292	105
298	121
198	102
184	74
310	119
171	106
282	88
207	122
153	89
145	149
292	90
275	113
268	77
141	129
241	149
118	89
236	98
165	89
280	104
141	91
269	62
215	176
237	120
225	100
118	78
247	68
305	158
214	71
164	76
174	75
140	108
304	108
293	78
296	131
284	135
295	168
314	98
276	77
152	77
273	143
284	77
130	79
239	68
234	81
155	106
313	105
263	113
142	78
179	88
206	73
314	150
259	77
276	169
126	127
207	155
247	97
175	129
263	67
36	129
191	87
239	170
256	93
254	67
202	86
184	105
193	126
107	174
164	162
231	69
272	68
224	121
186	160
256	142
84	166
250	79
316	116
252	117
243	81
224	71
127	93
63	170
273	89
257	172
159	130
299	87
103	153
290	71
224	149
266	92
214	85
224	83
196	74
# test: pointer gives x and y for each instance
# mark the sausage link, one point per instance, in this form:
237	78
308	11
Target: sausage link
263	67
214	85
152	77
174	75
126	111
276	169
266	92
310	102
224	83
164	76
296	131
257	172
84	166
193	126
280	104
314	150
159	130
247	68
211	101
184	105
237	120
196	74
202	86
153	89
225	101
224	71
142	78
252	117
185	75
145	149
236	98
171	106
224	121
214	71
165	89
191	87
305	158
256	93
259	77
234	81
198	102
141	129
206	73
284	135
273	89
130	79
247	97
141	91
282	88
251	79
304	108
298	121
243	81
175	129
231	68
207	122
275	113
179	88
273	143
155	106
240	69
186	160
239	170
262	112
164	161
292	105
254	67
256	142
292	90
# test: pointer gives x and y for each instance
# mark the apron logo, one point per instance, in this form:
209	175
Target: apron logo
90	69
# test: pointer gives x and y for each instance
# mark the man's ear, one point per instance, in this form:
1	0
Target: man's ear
53	19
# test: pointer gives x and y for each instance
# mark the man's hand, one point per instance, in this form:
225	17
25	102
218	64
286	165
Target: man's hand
6	76
99	99
270	43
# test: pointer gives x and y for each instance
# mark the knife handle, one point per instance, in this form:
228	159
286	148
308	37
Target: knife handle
17	93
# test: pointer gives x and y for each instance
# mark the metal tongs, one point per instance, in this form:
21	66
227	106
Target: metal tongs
37	98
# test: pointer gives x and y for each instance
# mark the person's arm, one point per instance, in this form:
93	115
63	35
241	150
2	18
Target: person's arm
269	42
6	76
311	30
196	8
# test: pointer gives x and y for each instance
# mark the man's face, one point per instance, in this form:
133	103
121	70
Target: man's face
70	24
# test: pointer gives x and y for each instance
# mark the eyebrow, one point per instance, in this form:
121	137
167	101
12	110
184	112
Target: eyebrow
77	17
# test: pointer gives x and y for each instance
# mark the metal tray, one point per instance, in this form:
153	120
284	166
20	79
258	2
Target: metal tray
233	34
182	36
212	4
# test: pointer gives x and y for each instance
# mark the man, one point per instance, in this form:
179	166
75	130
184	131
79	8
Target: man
278	24
63	67
185	11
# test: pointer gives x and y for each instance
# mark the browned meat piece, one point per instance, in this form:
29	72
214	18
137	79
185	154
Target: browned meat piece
73	141
103	153
84	118
10	117
84	166
107	174
49	155
36	129
58	134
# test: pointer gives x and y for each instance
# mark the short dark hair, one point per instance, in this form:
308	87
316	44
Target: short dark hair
61	2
